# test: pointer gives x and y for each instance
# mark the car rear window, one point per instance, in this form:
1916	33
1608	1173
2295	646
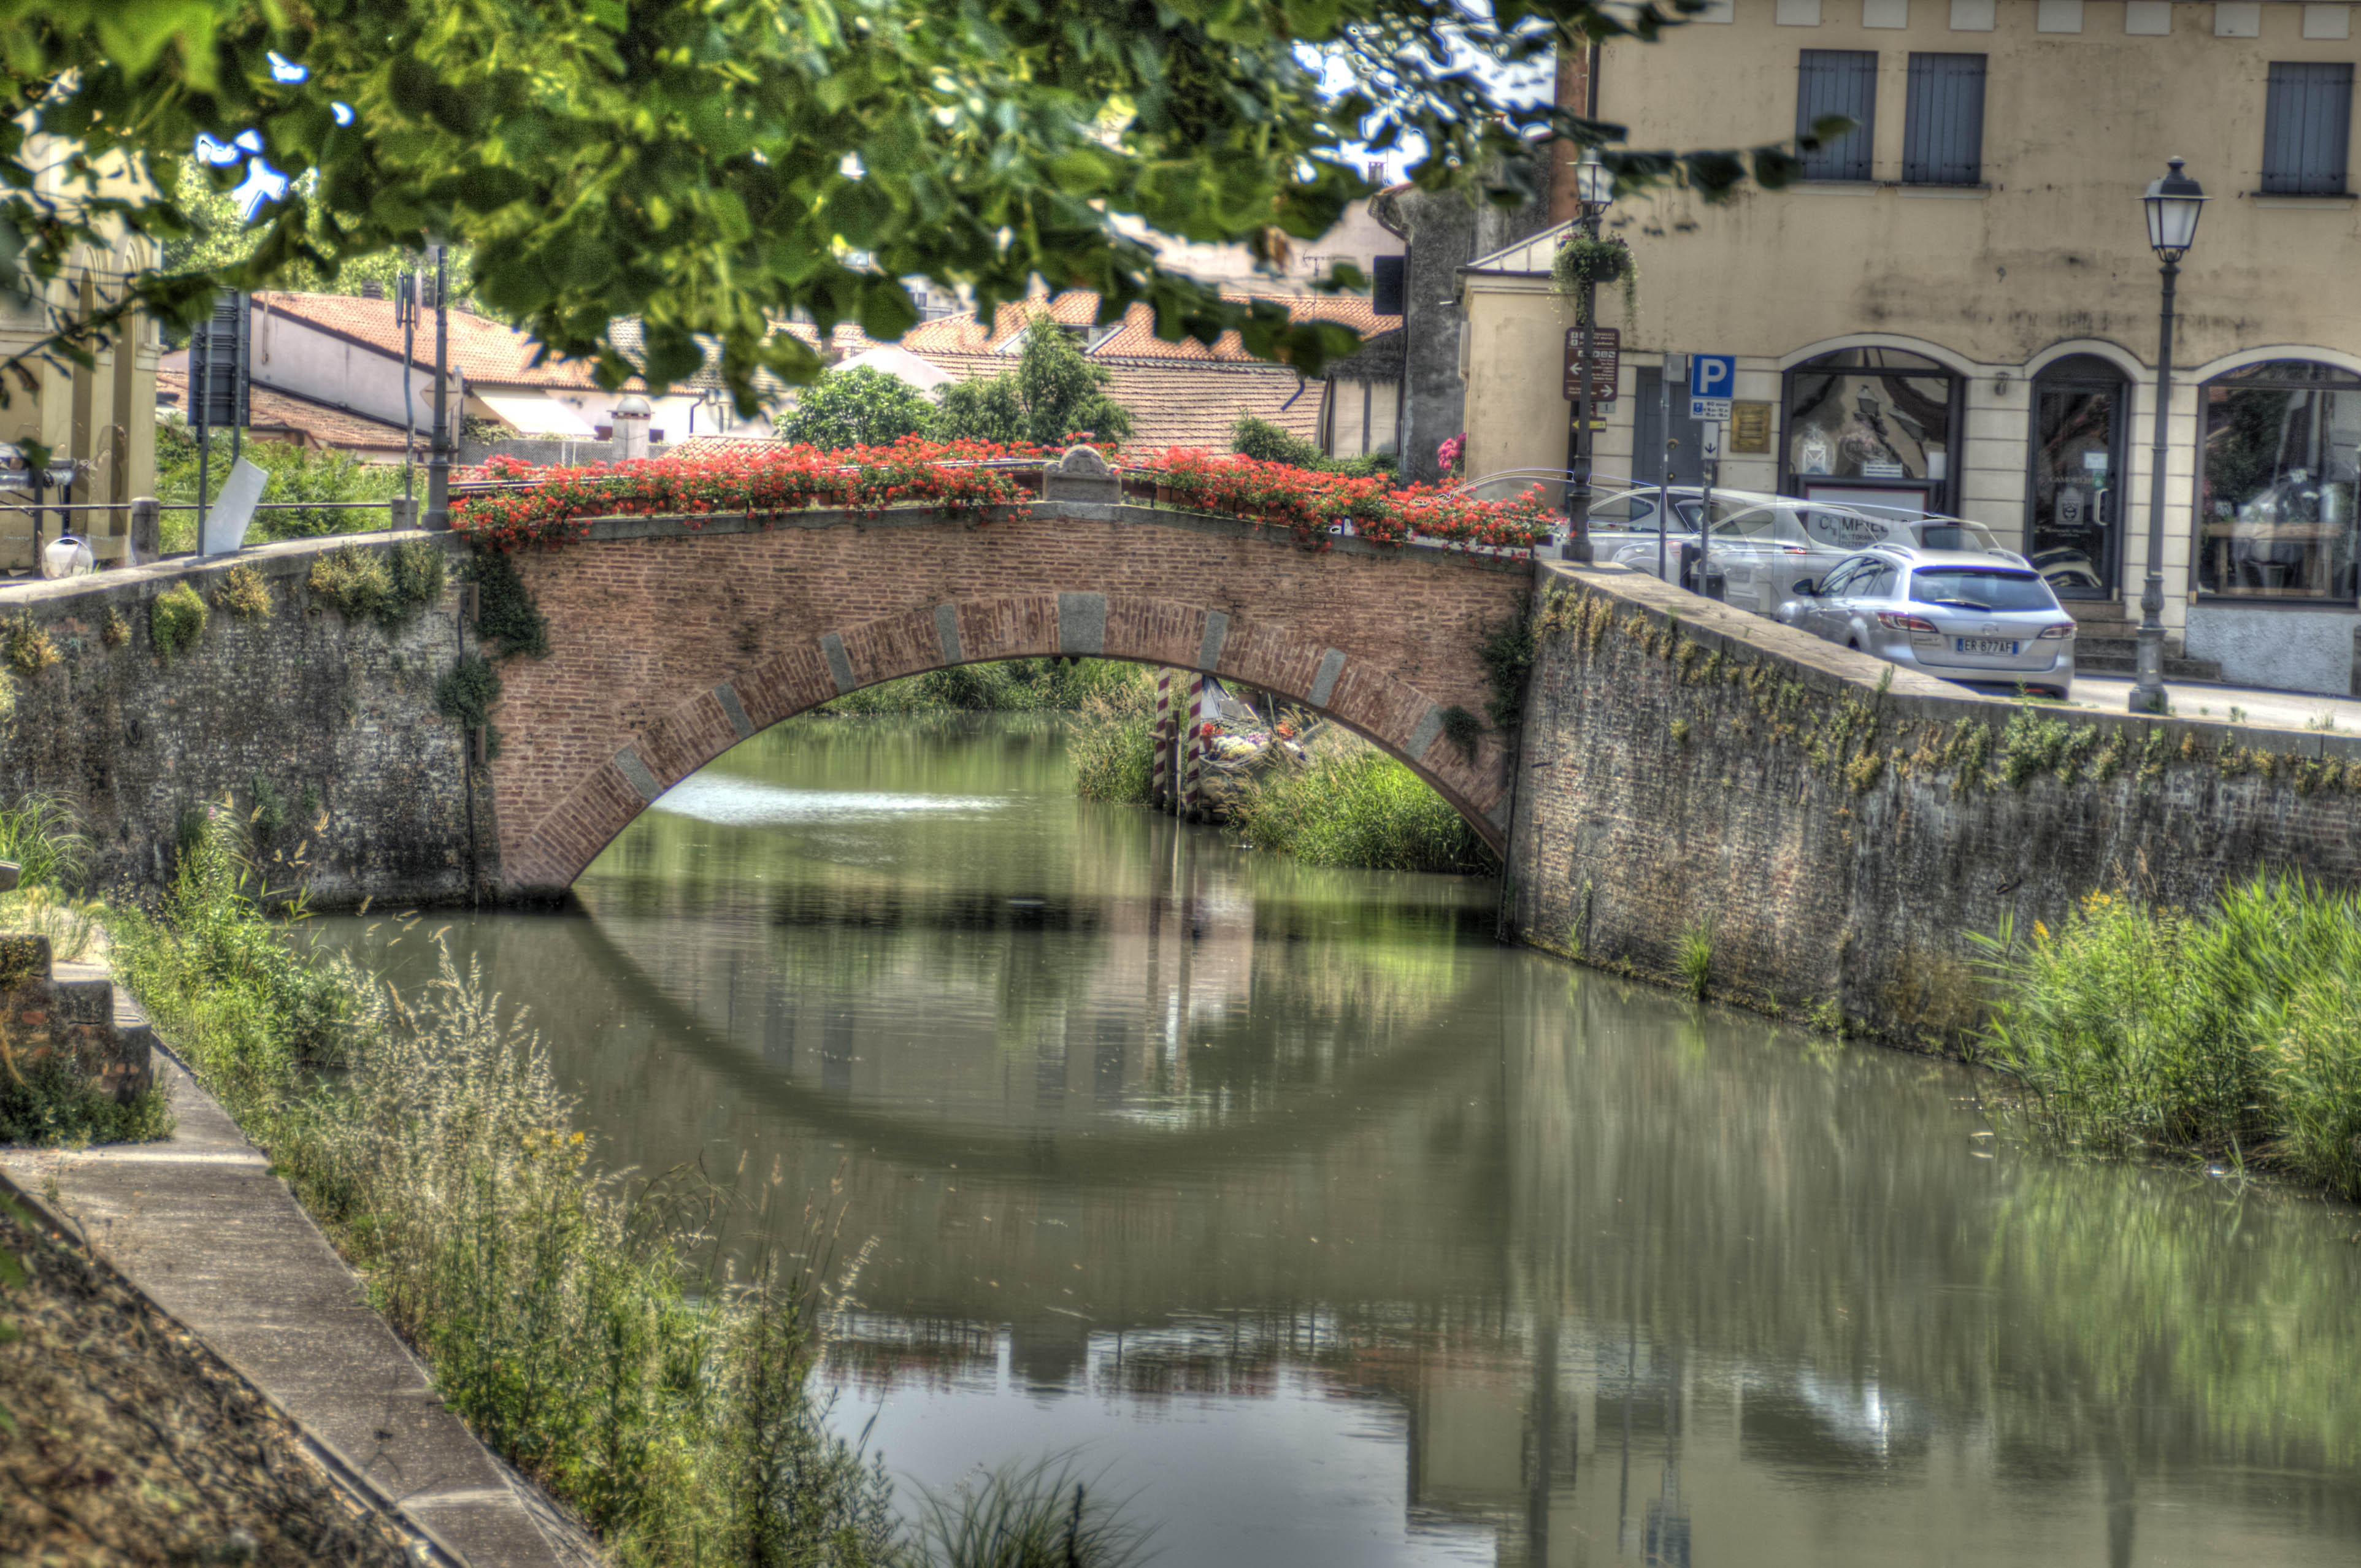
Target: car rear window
1956	536
1982	587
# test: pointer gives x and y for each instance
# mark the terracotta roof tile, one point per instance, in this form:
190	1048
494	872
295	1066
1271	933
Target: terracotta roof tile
269	412
1186	402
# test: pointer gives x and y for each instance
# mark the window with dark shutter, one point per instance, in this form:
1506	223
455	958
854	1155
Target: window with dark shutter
1943	133
2307	129
1837	82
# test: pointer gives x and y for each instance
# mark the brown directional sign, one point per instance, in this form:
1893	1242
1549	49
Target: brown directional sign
1605	358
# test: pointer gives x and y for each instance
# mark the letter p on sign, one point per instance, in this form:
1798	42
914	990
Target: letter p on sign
1713	379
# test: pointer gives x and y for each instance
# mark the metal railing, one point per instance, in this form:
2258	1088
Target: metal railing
142	539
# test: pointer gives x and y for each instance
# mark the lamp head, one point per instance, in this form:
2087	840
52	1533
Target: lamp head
2174	203
1594	184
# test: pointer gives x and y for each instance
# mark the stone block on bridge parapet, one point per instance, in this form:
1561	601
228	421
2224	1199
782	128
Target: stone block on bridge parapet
1082	475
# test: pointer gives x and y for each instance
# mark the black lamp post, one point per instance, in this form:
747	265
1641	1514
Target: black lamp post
2174	205
1595	189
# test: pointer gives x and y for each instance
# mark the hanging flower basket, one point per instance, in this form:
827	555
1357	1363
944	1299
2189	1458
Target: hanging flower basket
1582	259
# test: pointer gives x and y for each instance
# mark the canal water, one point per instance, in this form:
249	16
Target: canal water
1288	1205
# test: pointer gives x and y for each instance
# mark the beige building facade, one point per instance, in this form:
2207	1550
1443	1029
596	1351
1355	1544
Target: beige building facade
1959	308
101	415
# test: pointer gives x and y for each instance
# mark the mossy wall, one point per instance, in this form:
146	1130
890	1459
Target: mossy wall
1836	827
277	693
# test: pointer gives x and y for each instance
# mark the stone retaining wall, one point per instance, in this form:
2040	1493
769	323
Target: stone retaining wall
337	718
1837	827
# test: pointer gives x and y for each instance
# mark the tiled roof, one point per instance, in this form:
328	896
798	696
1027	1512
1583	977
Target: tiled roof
1135	337
1186	404
481	349
312	423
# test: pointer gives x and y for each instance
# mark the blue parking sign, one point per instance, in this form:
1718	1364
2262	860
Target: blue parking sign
1713	375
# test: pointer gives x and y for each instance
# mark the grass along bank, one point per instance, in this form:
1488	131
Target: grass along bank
593	1329
2232	1034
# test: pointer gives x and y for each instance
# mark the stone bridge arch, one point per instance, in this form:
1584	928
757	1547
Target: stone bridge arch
671	644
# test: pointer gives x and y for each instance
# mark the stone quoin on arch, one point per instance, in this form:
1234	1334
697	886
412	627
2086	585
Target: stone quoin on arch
670	645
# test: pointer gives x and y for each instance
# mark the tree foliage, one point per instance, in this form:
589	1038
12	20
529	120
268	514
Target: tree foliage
861	407
1054	392
712	166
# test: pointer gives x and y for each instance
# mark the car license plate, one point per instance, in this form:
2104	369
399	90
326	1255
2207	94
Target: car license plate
2005	649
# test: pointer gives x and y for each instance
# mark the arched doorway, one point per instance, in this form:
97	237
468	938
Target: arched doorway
1873	427
2074	502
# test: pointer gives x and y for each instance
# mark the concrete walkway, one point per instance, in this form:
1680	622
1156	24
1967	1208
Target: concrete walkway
201	1224
2195	699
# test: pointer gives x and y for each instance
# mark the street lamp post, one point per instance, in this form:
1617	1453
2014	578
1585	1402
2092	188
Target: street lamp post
1595	189
2174	205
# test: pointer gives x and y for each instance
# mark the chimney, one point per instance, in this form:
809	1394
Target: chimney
1376	171
372	289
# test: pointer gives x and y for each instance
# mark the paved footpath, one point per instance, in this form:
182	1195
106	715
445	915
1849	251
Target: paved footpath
200	1224
2232	704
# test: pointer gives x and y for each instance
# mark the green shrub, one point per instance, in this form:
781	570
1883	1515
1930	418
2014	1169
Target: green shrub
416	566
861	407
1269	442
116	632
1027	1516
508	622
1506	651
244	594
465	694
293	474
27	646
176	619
1358	808
2234	1034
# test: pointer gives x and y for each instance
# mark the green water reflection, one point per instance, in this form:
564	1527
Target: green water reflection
1339	1235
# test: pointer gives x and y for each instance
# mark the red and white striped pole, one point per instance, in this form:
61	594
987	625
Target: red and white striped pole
1161	782
1192	752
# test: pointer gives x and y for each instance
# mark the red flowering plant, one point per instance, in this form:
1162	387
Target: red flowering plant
1315	506
753	479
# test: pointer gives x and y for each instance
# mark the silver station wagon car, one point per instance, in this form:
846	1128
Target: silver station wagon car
1962	615
1763	543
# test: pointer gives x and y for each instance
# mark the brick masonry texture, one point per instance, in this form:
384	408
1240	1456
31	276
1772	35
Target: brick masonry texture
649	620
302	699
49	1008
1689	765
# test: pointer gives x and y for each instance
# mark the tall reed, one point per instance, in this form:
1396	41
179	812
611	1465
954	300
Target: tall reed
1358	807
2234	1034
589	1327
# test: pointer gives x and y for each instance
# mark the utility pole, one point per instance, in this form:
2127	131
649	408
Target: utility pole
405	307
1595	187
438	461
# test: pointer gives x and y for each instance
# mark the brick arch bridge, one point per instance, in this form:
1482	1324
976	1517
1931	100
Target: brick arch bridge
670	645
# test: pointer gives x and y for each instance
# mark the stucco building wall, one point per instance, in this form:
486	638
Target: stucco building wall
2046	257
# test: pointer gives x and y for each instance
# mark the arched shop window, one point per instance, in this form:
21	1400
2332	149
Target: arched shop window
2276	512
1873	426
